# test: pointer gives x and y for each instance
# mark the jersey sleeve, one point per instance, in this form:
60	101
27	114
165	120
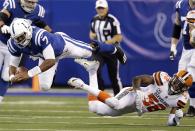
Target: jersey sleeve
38	14
9	5
178	5
182	100
43	40
117	29
160	78
41	11
13	49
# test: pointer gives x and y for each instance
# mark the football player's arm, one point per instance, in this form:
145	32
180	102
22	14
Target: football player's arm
175	36
4	16
14	63
41	24
49	56
142	80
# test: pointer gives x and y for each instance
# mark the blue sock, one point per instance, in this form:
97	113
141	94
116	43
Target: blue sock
106	48
192	91
3	87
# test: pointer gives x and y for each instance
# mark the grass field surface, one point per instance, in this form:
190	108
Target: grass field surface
48	113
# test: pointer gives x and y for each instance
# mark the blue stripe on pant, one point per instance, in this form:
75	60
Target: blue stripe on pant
106	48
192	91
3	87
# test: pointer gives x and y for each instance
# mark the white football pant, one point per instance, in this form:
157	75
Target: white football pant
187	62
125	105
73	49
4	61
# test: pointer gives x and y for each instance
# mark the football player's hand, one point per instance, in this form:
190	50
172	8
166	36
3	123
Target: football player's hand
179	113
22	76
173	52
5	29
173	120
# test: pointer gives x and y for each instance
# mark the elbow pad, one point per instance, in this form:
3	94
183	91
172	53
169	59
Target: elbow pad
176	31
40	24
3	17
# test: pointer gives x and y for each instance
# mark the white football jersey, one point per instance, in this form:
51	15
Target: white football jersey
157	97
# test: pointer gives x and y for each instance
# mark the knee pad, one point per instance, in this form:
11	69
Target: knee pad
192	91
45	86
92	106
104	110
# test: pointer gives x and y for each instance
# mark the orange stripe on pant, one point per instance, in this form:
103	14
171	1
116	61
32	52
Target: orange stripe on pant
103	96
92	97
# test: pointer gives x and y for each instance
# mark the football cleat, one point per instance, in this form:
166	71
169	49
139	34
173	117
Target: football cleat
88	65
120	55
76	82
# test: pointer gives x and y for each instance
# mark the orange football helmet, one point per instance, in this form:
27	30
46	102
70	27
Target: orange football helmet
180	82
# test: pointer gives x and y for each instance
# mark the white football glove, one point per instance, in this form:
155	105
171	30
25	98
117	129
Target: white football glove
173	52
179	113
5	29
173	120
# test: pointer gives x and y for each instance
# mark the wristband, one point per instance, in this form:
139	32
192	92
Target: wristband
34	71
11	76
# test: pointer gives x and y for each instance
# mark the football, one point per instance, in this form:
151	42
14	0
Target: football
21	69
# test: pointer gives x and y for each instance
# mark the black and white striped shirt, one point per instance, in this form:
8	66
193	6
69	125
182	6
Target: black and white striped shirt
105	28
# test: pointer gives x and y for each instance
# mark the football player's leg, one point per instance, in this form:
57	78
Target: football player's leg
126	104
110	49
46	78
91	67
5	70
77	49
184	60
3	84
101	95
191	70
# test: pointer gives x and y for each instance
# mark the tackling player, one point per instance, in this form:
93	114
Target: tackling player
187	60
11	9
162	92
50	48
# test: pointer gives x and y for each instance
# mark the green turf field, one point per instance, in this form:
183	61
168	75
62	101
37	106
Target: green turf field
71	114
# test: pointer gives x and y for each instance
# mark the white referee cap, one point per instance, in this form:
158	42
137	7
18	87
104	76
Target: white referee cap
101	3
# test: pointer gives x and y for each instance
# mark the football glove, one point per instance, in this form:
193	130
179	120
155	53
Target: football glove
173	52
5	29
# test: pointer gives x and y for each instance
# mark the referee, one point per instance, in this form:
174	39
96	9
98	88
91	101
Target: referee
106	28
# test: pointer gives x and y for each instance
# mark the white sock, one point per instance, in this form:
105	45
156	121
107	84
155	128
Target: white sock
93	91
93	79
192	102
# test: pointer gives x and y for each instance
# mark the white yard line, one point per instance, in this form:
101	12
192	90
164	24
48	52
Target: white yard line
36	102
42	111
21	129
